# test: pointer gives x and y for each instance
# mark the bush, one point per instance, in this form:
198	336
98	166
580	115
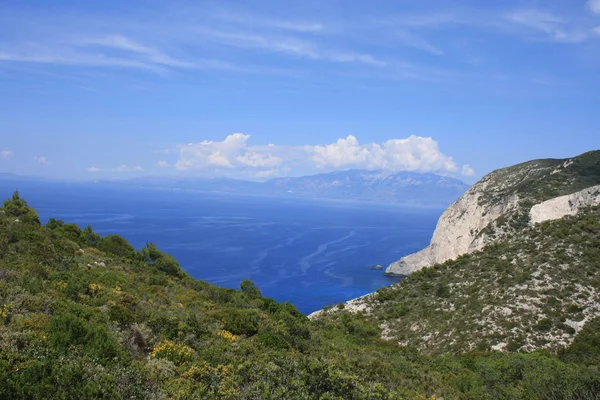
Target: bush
544	324
116	245
240	321
162	261
68	330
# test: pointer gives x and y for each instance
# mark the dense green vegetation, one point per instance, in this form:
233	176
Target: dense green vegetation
85	317
540	180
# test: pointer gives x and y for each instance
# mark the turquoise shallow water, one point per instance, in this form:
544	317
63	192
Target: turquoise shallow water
309	252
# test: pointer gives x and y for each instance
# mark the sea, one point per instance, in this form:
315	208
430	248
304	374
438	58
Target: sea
310	252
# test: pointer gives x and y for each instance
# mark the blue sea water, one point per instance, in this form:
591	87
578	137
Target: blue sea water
312	253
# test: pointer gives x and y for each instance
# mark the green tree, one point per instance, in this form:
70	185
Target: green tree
17	207
250	289
116	245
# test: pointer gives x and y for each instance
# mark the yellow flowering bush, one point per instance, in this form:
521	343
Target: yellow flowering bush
217	382
230	337
95	288
5	310
174	352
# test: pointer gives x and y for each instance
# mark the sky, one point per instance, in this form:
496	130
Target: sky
263	88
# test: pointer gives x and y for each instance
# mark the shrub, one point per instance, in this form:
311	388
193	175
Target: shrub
240	321
250	289
68	330
544	324
174	352
162	261
116	245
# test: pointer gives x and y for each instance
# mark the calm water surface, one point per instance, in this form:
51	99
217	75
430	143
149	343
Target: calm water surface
309	252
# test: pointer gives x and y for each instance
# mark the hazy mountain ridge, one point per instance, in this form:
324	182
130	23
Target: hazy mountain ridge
410	188
400	187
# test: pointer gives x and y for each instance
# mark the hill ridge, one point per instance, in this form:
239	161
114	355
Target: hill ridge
500	204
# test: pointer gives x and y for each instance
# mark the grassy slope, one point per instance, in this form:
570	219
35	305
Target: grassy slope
85	317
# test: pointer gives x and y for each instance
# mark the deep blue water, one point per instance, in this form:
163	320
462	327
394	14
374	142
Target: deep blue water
309	252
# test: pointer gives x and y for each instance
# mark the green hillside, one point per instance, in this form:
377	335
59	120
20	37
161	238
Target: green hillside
540	180
531	291
88	317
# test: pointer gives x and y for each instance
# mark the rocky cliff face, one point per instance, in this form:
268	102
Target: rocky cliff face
505	201
565	205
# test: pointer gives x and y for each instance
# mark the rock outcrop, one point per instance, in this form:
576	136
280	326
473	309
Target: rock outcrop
500	204
565	205
457	231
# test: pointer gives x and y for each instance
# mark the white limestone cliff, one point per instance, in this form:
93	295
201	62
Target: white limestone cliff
565	205
460	229
457	230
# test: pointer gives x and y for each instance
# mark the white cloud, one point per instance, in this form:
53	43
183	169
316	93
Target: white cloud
467	170
356	58
246	18
41	160
230	153
5	153
417	42
292	46
163	164
150	54
254	159
235	155
548	24
593	6
120	168
414	153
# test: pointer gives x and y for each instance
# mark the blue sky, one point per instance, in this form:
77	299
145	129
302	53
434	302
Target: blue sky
255	89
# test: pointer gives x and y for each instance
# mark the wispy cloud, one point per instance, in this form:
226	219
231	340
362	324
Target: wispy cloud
249	19
593	6
150	54
109	51
5	153
230	39
466	170
293	46
554	27
120	168
41	160
521	22
356	58
411	39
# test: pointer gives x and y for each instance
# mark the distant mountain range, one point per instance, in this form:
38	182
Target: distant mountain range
398	187
410	188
